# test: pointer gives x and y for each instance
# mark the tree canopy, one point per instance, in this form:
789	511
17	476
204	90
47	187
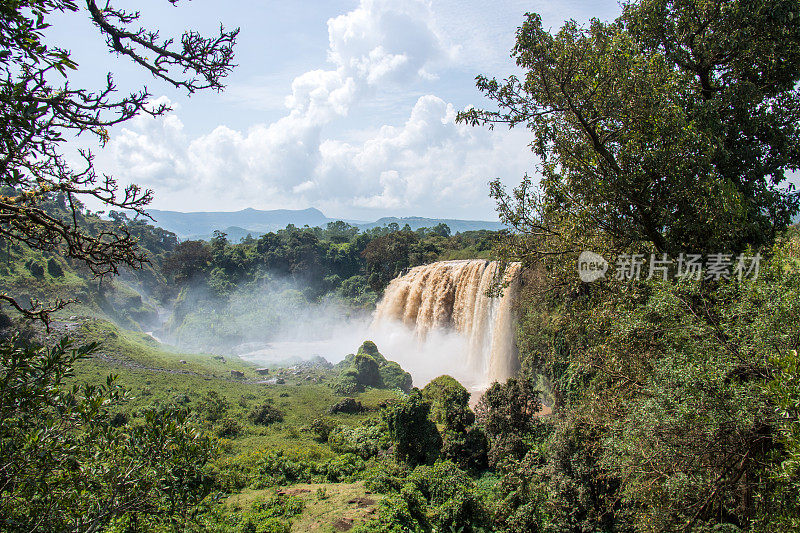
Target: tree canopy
673	125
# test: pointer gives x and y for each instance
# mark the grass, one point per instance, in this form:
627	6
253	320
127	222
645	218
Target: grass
325	504
154	374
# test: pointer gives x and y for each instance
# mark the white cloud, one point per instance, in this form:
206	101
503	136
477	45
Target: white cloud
427	165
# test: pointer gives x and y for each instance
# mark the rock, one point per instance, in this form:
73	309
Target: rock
182	361
237	374
262	371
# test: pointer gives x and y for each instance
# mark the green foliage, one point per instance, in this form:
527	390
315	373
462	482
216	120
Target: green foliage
449	402
416	439
346	405
36	270
75	469
366	370
229	428
212	406
440	497
266	414
462	442
394	377
454	504
645	125
784	389
507	411
371	349
369	368
365	440
54	269
273	515
322	429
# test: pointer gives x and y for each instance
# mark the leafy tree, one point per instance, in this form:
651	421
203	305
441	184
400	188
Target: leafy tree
416	439
449	402
673	125
38	113
394	377
212	406
462	442
507	411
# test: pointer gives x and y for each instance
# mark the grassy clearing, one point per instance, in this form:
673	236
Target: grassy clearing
327	506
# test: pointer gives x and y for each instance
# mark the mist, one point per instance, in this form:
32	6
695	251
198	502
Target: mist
437	319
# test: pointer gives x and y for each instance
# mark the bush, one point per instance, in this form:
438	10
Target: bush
36	269
449	403
272	515
321	428
54	269
266	414
347	405
229	428
274	468
455	504
417	441
371	349
365	441
212	406
344	468
348	383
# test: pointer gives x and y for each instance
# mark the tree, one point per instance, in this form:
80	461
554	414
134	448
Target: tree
417	441
67	464
507	411
40	111
672	126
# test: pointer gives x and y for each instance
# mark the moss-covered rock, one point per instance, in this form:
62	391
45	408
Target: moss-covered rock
369	368
394	377
371	349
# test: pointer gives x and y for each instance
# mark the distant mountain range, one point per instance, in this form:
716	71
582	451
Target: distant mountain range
238	224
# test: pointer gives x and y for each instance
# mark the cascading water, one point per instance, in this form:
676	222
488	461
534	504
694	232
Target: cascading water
452	296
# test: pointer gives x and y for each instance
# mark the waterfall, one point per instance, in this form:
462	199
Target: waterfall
452	296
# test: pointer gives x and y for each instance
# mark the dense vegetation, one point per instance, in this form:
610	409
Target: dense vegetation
673	402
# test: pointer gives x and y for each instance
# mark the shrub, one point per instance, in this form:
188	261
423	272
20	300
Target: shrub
321	428
266	414
36	269
344	468
274	468
212	406
348	383
54	269
455	504
371	349
416	438
347	405
449	403
272	515
229	428
394	377
365	441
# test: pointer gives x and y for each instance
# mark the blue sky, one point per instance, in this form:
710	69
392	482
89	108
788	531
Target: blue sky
345	106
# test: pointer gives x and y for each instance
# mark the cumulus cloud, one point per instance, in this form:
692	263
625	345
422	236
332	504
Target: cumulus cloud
426	165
